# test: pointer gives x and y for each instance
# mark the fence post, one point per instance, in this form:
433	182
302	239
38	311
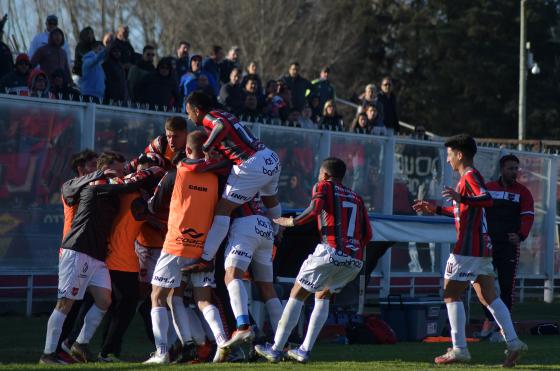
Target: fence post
88	128
389	166
29	300
550	230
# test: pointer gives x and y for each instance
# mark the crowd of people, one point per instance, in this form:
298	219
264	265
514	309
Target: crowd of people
111	71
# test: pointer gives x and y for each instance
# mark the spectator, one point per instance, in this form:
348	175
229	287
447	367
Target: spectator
108	39
229	63
62	88
42	38
360	124
211	64
252	73
141	70
203	84
297	84
52	56
16	81
370	97
389	102
250	110
420	133
279	106
293	117
331	120
322	87
305	121
128	55
231	94
115	75
159	87
373	124
92	83
250	88
189	81
6	59
182	62
39	84
316	109
85	44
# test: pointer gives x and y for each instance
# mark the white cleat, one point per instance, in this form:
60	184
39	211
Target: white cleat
157	359
221	355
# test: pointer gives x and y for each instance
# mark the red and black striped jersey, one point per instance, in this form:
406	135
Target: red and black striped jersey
230	137
253	207
470	216
341	216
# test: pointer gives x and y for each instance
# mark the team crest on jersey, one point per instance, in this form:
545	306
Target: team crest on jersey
75	291
449	268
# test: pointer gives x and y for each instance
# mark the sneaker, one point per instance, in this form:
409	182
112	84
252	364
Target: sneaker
236	355
298	355
204	352
51	359
67	358
513	352
81	353
239	336
66	346
454	355
199	266
221	355
109	358
157	359
188	354
267	352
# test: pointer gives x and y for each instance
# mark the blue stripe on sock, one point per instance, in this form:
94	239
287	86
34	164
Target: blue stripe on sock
242	320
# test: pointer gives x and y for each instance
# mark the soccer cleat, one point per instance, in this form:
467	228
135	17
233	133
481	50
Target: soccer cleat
204	352
267	352
188	354
221	355
81	353
199	266
109	358
65	357
298	355
66	346
239	336
237	355
513	352
453	355
157	359
51	359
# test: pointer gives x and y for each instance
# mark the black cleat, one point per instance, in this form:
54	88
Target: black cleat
51	359
81	353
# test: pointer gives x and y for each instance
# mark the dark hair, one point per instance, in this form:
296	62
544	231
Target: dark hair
326	69
197	57
335	167
216	49
462	142
508	157
148	47
96	43
236	69
200	100
188	44
108	158
176	123
294	64
79	159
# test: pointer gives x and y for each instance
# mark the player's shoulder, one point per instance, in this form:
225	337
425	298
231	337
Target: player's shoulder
474	175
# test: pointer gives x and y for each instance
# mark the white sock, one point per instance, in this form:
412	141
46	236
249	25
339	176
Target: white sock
172	335
216	235
274	309
457	320
288	321
54	328
316	322
503	318
198	335
273	213
160	324
91	322
181	320
214	320
238	300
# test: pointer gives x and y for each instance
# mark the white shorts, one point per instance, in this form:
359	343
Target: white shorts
327	268
148	258
167	272
258	174
200	279
468	268
77	271
250	242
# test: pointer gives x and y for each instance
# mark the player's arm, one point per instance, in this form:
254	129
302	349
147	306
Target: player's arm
445	211
220	167
314	209
219	131
480	198
159	202
71	189
527	214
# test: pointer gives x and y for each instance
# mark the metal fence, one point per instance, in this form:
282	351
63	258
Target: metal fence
39	136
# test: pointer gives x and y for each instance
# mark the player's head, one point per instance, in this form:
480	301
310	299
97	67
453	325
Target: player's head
198	104
111	160
332	168
84	162
461	149
176	133
195	140
147	160
509	168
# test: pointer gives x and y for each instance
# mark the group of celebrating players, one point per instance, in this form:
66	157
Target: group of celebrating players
160	220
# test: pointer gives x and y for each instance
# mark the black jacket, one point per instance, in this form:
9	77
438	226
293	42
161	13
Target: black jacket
390	116
115	80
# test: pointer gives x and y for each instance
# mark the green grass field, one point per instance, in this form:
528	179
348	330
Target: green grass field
22	340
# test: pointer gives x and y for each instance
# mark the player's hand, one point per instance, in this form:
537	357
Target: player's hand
423	207
450	195
284	222
514	238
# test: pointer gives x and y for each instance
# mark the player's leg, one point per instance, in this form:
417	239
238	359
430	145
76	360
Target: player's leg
262	272
203	298
182	325
54	328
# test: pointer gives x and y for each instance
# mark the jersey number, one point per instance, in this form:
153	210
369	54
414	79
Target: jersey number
352	222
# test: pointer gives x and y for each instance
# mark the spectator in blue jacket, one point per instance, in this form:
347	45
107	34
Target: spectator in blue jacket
92	83
211	65
189	81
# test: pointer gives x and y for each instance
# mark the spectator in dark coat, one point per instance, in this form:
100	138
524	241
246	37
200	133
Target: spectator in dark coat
16	81
211	65
85	44
323	88
250	88
115	77
52	56
316	109
298	85
231	94
370	97
159	87
252	74
360	124
182	62
389	102
141	70
331	120
250	110
6	59
128	55
62	89
229	63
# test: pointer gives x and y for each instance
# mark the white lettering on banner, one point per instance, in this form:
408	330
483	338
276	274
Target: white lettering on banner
501	195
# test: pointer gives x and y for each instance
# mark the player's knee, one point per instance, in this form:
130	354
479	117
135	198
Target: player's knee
202	304
64	305
232	273
266	290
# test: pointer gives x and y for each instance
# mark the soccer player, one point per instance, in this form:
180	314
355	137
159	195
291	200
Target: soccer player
193	199
345	230
471	258
256	169
509	222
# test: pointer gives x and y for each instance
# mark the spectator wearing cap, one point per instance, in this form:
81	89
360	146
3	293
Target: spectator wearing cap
128	55
159	88
189	81
38	84
92	83
297	84
323	88
140	70
42	38
6	59
229	63
16	81
116	88
182	62
370	97
389	101
85	44
251	73
211	65
51	57
231	94
61	88
331	120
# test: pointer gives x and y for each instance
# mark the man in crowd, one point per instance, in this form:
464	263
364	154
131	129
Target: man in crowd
128	55
298	86
211	65
138	71
42	38
322	87
231	95
92	83
182	62
389	101
229	63
15	82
